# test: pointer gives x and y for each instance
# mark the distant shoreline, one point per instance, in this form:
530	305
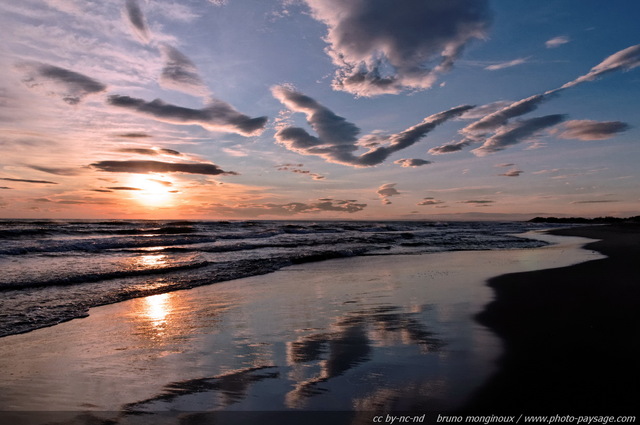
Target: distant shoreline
583	220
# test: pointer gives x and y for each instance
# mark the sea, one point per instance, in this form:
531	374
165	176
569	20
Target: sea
53	271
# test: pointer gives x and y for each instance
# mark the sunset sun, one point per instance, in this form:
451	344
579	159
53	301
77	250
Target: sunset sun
154	191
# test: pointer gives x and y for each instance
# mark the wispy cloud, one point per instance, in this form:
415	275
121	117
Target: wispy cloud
479	202
508	64
512	173
143	167
517	132
134	135
407	49
386	191
556	41
451	147
123	188
58	171
430	201
484	110
326	205
137	20
601	201
150	151
338	138
500	117
71	86
297	169
412	162
505	134
626	59
217	116
236	151
180	73
592	130
9	179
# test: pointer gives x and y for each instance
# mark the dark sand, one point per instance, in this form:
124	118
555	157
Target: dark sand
572	334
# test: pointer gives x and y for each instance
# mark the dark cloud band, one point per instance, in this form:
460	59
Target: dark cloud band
143	167
218	116
71	86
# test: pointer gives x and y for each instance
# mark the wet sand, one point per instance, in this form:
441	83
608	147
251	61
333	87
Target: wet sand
572	335
365	334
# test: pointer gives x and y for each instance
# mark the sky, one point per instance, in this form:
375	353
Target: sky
319	109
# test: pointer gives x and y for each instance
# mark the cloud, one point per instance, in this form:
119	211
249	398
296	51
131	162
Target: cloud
169	152
602	201
478	201
238	151
150	152
386	47
555	170
503	65
8	179
58	171
162	182
499	118
217	116
5	188
297	168
71	86
626	59
556	41
451	147
292	208
412	162
326	204
139	151
123	188
483	110
136	20
512	173
497	122
180	74
338	138
134	135
143	167
592	130
386	191
517	132
430	201
504	165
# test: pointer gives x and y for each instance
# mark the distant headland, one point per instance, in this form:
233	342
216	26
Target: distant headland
580	220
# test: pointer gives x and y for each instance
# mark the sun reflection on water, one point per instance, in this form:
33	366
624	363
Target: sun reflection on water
156	310
151	260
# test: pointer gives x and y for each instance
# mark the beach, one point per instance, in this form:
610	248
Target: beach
358	336
355	337
571	334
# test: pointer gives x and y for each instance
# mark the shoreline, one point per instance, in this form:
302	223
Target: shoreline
120	275
570	334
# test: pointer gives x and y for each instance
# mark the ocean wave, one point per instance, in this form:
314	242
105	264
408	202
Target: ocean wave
55	270
97	277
